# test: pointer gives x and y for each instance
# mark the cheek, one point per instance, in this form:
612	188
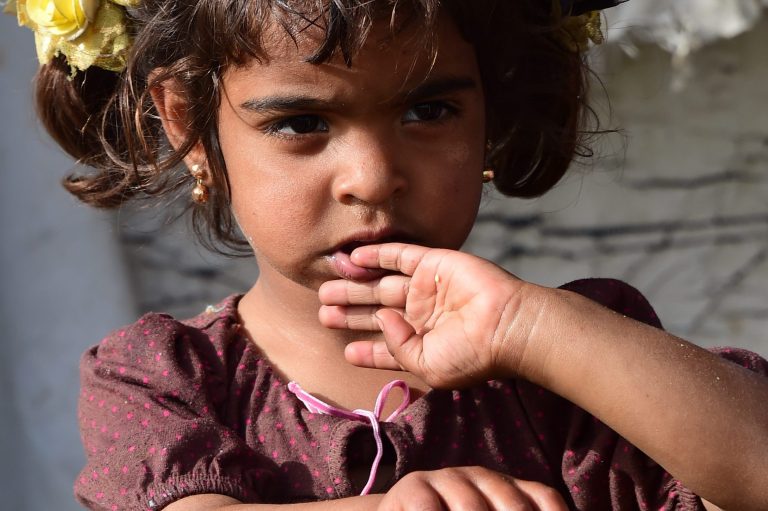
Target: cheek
452	192
260	185
460	169
274	205
467	185
466	151
269	210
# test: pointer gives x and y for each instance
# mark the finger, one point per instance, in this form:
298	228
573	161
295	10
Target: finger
459	493
353	318
498	489
389	291
543	497
424	500
391	256
464	497
373	354
356	317
501	494
415	496
402	341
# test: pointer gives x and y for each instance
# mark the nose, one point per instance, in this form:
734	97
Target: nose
369	171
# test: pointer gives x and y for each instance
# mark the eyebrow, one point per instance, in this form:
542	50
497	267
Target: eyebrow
440	86
301	102
288	103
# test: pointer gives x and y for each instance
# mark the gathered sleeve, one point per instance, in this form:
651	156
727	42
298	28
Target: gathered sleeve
600	469
152	413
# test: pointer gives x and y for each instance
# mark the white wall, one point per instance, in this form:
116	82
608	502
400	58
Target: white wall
678	204
63	286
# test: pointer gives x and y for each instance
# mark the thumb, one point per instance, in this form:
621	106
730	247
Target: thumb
403	343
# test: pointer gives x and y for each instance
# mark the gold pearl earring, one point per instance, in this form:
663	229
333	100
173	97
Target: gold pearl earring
488	173
200	191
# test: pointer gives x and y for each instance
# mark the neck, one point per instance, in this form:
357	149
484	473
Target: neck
285	317
282	321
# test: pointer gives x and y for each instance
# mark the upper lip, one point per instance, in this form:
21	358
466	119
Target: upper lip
373	237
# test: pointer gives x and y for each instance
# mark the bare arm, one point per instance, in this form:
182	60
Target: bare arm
212	502
464	320
711	507
454	488
703	418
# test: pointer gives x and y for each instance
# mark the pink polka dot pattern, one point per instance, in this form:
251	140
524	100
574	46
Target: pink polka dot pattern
169	409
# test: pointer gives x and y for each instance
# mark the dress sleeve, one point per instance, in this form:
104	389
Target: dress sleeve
592	457
149	408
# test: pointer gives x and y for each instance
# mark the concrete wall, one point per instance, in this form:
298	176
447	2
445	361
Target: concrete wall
677	204
64	285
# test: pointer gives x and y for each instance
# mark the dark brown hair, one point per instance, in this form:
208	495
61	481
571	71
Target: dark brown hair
534	88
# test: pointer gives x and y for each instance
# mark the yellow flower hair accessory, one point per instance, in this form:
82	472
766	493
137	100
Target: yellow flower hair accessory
577	32
87	32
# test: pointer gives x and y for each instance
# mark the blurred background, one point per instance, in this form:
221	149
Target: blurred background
675	204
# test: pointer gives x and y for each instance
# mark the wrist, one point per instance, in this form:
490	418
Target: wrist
523	340
568	340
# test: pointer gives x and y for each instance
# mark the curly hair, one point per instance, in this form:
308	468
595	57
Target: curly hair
534	88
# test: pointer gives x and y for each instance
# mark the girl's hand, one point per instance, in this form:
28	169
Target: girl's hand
475	488
450	318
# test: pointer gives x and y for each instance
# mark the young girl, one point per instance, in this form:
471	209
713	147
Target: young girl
372	365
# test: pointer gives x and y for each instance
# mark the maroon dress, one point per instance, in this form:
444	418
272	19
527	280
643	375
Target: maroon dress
174	408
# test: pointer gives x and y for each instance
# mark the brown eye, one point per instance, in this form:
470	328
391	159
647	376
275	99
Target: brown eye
429	111
299	125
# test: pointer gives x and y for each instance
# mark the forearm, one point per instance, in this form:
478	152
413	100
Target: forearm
703	418
364	503
223	503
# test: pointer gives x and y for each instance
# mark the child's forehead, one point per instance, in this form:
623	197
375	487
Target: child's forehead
387	48
389	63
291	36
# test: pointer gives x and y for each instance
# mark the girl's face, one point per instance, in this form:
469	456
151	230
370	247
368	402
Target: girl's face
324	157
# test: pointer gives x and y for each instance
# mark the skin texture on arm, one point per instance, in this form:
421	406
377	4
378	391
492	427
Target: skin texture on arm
454	319
701	417
212	502
449	489
711	507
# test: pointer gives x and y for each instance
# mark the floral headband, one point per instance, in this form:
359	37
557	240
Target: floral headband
88	32
93	32
582	22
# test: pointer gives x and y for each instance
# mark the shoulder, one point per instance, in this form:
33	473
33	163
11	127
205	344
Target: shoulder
217	324
744	358
158	346
160	412
616	295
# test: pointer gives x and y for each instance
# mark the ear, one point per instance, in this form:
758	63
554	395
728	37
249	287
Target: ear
171	104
